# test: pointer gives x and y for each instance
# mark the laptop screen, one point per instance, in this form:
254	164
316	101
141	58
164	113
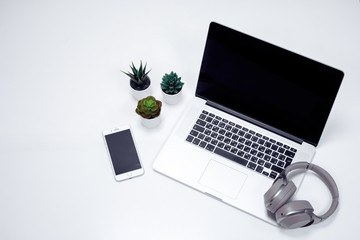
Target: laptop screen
266	83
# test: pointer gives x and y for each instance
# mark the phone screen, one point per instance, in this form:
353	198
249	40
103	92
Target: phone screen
122	152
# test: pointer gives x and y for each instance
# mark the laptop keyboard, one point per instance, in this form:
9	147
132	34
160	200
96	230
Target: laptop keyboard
240	144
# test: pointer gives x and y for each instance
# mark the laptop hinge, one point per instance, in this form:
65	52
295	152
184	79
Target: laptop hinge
253	121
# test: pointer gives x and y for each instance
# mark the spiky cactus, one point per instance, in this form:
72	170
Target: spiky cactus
138	76
171	83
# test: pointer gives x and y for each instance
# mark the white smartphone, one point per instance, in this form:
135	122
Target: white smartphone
122	152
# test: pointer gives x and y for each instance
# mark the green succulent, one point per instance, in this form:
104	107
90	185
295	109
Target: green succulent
171	83
138	76
149	107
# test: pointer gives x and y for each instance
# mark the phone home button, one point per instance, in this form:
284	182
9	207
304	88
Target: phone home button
129	174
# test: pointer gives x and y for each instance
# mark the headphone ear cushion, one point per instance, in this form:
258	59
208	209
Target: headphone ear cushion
295	214
279	193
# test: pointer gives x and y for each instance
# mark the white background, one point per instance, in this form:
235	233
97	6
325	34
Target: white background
61	86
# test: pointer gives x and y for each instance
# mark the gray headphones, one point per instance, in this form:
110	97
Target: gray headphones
298	213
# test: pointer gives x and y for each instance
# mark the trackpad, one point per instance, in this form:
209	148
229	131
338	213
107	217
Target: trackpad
223	179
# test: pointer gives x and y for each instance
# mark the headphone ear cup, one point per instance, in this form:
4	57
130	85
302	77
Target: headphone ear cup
279	193
271	192
295	214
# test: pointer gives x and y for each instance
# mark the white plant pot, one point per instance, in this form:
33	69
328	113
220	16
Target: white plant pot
140	94
172	98
150	123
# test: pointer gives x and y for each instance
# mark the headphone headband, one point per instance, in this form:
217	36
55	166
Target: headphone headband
324	176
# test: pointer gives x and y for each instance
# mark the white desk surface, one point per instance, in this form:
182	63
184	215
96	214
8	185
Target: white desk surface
61	86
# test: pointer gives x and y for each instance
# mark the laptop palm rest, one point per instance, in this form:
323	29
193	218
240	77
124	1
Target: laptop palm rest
222	179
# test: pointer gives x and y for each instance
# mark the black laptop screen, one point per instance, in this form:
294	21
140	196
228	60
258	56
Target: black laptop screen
266	83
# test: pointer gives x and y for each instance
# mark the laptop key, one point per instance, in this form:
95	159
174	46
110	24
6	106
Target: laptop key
222	131
207	132
281	150
207	139
201	136
288	160
214	135
251	165
289	154
209	119
215	122
259	169
202	144
196	141
198	128
201	122
235	137
273	175
247	156
220	138
221	144
240	153
202	116
230	156
209	126
260	162
280	164
276	169
233	150
189	138
194	133
227	147
210	147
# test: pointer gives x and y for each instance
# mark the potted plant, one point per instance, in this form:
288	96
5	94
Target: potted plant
149	109
171	86
139	81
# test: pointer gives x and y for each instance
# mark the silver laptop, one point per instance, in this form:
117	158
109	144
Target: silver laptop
257	109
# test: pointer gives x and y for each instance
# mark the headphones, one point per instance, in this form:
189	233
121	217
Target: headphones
298	213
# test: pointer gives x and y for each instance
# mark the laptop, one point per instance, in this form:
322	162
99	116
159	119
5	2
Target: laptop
257	108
